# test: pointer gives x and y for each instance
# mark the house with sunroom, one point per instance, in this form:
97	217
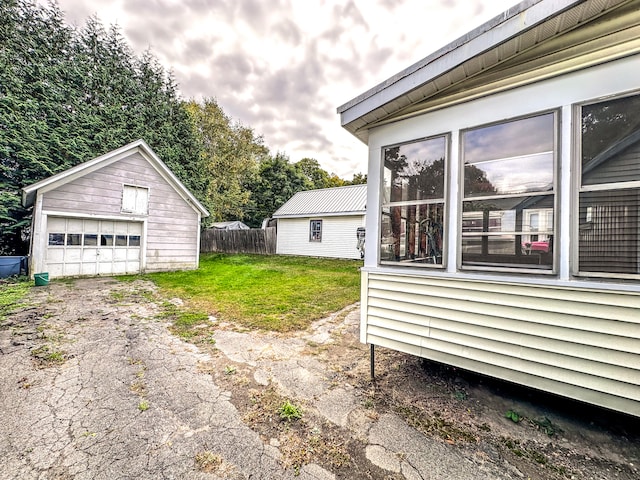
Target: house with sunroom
327	222
124	212
503	219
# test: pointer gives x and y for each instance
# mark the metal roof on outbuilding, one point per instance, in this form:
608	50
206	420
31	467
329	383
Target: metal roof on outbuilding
349	200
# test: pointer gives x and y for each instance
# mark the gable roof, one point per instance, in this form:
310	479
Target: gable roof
532	40
349	200
139	146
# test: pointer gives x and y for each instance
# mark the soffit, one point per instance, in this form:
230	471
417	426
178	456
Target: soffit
582	30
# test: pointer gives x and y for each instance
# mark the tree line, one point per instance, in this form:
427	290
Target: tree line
70	94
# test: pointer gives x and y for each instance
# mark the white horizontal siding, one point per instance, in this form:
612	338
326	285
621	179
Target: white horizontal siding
339	238
577	343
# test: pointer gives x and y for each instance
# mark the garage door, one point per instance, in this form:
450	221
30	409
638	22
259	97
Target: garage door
78	246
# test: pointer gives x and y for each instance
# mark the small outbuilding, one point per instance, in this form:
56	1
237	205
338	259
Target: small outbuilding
503	209
323	223
123	212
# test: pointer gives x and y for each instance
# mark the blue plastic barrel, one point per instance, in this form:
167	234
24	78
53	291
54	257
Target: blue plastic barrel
10	266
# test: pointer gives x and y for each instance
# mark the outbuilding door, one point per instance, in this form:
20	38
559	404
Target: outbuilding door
77	246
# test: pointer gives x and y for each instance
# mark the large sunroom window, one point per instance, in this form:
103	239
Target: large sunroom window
508	194
413	203
609	198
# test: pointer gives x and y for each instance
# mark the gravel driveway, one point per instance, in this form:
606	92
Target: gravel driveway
94	386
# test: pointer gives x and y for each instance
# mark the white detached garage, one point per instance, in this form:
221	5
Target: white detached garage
322	223
123	212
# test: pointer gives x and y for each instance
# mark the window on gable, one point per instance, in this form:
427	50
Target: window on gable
135	200
508	194
413	202
609	196
315	231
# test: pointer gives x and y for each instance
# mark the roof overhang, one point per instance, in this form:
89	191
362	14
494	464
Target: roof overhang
321	214
524	39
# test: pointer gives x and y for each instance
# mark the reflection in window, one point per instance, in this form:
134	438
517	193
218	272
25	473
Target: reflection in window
74	239
90	239
56	239
413	202
609	206
508	205
134	240
315	231
106	240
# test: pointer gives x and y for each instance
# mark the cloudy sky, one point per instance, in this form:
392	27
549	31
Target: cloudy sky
282	67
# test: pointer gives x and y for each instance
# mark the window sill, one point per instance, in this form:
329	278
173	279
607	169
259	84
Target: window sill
535	278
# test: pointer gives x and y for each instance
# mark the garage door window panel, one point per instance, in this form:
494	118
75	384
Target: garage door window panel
106	240
74	239
90	239
56	239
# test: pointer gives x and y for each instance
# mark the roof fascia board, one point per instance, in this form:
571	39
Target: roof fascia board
604	54
73	173
515	21
170	177
322	214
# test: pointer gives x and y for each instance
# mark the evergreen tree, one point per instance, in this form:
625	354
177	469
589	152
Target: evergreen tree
67	96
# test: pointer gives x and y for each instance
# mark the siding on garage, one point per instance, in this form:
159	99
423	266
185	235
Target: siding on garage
338	237
171	235
156	204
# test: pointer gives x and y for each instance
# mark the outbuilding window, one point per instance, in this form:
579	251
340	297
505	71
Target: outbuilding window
135	199
413	205
315	231
508	194
609	196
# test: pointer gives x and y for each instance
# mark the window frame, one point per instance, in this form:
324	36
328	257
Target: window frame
577	188
315	235
556	227
137	190
444	201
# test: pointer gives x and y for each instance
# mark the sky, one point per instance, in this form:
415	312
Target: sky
282	67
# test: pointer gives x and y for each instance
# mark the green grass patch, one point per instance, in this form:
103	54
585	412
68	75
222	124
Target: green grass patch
278	293
10	295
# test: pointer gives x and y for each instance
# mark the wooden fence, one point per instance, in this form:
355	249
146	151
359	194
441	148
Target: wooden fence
254	240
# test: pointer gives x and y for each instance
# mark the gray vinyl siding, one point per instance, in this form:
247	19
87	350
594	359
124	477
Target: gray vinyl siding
172	224
338	237
580	343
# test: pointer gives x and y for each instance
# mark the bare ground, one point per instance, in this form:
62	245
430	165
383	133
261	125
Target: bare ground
521	432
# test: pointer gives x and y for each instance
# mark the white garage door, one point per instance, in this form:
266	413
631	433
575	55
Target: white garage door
77	246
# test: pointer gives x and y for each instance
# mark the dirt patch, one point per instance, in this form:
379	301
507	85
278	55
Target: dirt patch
521	432
542	435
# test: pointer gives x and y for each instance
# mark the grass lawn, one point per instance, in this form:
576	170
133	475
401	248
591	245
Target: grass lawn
10	294
278	293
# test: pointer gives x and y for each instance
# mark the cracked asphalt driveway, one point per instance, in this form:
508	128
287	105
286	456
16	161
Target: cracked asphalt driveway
126	401
94	386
